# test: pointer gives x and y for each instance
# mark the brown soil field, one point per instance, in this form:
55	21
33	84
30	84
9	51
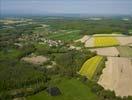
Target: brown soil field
117	76
38	60
108	51
124	40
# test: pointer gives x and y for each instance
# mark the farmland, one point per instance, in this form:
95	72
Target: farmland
89	67
105	41
39	53
117	76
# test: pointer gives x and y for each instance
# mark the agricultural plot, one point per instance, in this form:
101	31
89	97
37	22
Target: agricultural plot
105	41
125	51
108	51
89	67
117	76
125	40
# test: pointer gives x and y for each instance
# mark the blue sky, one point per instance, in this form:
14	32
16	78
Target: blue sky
66	6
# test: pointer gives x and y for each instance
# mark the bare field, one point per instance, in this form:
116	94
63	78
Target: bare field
117	76
108	51
124	40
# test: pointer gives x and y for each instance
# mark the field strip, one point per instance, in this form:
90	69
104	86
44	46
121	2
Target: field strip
89	67
117	76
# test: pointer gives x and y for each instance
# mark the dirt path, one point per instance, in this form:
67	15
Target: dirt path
117	76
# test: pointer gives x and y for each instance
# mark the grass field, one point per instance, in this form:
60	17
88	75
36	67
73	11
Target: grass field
89	67
71	89
105	41
125	51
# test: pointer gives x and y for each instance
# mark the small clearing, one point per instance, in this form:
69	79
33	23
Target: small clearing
108	51
38	60
117	76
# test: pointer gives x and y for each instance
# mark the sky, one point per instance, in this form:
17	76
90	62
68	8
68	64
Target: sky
65	7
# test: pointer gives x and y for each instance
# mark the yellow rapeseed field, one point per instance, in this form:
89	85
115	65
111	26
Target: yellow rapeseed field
89	67
105	41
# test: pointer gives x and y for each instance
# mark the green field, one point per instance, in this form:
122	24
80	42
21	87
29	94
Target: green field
105	41
90	66
71	89
67	36
125	51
